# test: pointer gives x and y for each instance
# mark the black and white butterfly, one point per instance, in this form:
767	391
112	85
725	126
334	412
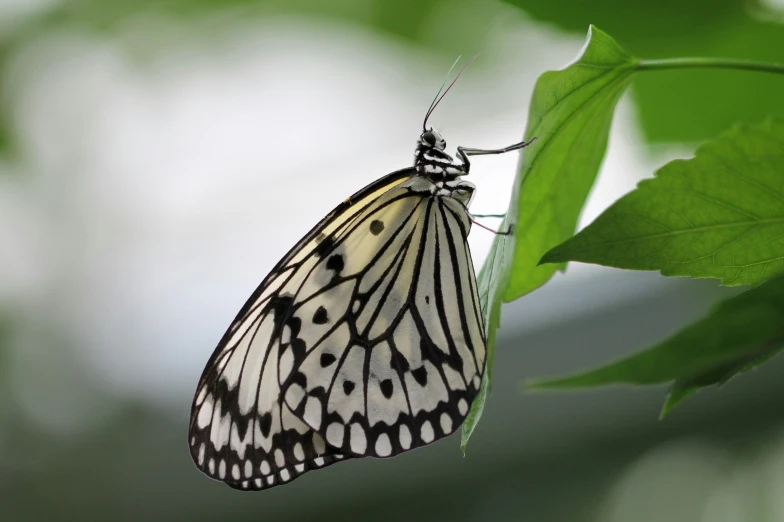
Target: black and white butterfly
365	340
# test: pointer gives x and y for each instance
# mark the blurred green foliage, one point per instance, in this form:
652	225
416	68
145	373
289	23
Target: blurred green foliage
408	20
677	106
404	18
685	105
720	214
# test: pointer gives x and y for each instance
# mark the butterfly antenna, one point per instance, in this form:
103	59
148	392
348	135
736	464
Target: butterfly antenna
437	100
429	109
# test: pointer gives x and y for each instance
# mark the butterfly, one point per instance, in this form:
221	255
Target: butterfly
365	340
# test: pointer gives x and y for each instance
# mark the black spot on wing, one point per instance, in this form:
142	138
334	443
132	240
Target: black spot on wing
280	306
321	316
387	388
420	375
348	387
301	379
335	263
327	359
398	361
266	424
325	246
376	227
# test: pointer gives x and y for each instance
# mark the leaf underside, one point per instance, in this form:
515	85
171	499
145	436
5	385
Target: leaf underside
738	334
718	215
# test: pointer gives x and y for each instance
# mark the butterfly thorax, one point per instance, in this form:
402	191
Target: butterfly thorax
439	174
432	162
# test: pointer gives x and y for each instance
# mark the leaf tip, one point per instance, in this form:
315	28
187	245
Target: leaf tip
539	385
551	256
678	393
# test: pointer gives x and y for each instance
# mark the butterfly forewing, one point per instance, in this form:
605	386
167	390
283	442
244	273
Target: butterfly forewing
241	431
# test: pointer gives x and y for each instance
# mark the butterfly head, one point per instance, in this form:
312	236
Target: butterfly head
431	139
429	156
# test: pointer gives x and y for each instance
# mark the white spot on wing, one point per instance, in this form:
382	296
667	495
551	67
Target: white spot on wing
248	468
446	423
211	466
235	472
335	434
358	439
222	469
201	454
426	432
265	467
405	437
462	406
383	446
313	413
205	413
299	453
279	458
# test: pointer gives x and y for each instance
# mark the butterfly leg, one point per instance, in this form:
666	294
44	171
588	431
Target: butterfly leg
507	233
489	215
464	152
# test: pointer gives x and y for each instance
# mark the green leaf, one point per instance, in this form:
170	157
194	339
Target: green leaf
490	284
739	334
570	115
720	214
408	19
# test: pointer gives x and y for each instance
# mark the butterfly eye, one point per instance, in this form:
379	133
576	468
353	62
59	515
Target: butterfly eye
429	139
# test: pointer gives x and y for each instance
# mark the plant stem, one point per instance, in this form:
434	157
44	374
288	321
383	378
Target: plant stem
711	63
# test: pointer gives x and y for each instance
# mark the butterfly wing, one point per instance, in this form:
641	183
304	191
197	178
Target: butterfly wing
241	431
389	355
365	340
